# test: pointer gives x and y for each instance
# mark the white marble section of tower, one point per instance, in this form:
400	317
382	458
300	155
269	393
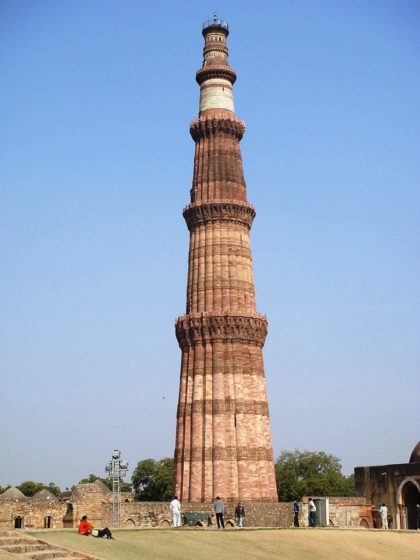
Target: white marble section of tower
216	92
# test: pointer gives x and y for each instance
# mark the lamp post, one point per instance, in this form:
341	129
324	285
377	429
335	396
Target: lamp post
116	469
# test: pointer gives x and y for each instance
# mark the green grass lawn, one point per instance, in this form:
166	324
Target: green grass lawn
237	544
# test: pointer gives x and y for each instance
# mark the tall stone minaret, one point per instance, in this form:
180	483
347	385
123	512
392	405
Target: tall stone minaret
223	439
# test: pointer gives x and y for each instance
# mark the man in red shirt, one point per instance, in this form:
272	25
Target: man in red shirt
84	527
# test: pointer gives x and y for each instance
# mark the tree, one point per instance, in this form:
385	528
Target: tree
306	473
30	488
54	489
152	480
125	486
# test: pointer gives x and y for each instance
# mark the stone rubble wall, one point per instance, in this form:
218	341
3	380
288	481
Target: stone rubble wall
350	512
385	483
155	514
158	514
33	514
93	505
96	502
343	512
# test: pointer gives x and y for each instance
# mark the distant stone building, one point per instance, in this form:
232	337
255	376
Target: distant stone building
46	511
43	510
398	486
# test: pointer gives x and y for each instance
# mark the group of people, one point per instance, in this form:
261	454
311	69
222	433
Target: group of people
312	512
219	510
85	528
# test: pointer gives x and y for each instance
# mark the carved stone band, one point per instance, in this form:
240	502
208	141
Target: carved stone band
218	406
223	454
216	124
203	213
220	328
207	72
215	47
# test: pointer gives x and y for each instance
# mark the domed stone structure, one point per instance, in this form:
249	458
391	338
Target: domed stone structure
44	496
12	494
415	455
90	488
398	486
102	486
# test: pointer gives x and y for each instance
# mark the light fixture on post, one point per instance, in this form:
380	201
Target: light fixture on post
116	469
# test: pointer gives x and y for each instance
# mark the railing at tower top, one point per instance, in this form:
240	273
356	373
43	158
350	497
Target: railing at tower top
216	22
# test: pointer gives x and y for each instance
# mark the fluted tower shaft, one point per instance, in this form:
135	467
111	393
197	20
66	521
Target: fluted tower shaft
223	440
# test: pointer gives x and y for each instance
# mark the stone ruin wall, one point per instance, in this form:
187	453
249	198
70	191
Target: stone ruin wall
95	501
155	514
33	514
385	483
343	512
350	512
90	501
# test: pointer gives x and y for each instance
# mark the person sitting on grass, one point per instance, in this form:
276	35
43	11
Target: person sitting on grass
86	529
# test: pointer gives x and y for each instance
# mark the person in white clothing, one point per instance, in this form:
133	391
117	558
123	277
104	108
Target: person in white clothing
383	510
176	512
312	512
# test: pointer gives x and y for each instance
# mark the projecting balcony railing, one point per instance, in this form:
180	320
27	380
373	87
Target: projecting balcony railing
216	22
224	313
243	203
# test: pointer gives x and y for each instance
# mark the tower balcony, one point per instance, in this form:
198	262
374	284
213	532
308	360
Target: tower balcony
215	24
215	71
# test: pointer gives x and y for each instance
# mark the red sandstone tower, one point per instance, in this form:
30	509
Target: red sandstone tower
223	440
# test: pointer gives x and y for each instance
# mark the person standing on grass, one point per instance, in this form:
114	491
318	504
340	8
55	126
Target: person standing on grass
219	509
312	512
176	512
239	514
383	510
296	511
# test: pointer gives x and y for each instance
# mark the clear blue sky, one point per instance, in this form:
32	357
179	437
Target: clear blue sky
96	165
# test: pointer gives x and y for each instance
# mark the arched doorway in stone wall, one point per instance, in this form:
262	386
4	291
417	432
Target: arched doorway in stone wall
18	522
47	522
410	496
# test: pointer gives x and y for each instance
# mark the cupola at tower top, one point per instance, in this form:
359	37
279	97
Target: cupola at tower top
215	24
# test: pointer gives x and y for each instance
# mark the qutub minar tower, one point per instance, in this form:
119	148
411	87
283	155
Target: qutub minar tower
223	438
